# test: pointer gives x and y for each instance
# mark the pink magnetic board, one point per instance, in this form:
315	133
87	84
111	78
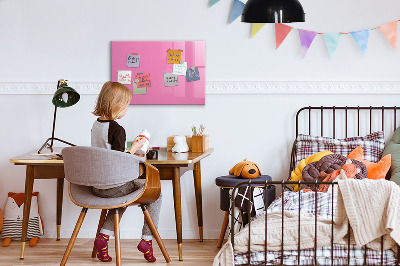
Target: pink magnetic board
151	58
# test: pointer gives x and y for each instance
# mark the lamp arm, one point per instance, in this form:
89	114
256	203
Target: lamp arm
54	126
55	115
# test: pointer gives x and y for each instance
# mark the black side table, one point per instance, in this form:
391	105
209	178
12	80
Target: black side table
226	183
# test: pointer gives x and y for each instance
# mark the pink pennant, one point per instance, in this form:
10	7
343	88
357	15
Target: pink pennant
306	39
281	31
389	30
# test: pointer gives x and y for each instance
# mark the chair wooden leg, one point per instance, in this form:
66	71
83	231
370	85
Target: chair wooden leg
117	239
101	222
154	230
223	229
73	237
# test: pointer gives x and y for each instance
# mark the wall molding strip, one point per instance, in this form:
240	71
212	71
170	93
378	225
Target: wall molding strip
231	87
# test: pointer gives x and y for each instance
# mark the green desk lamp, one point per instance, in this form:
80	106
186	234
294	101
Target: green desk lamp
65	96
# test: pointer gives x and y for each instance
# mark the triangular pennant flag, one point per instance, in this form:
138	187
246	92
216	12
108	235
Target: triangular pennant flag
237	9
306	39
389	30
281	31
213	2
256	27
361	37
332	41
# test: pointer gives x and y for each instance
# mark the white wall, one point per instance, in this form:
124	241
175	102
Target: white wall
42	41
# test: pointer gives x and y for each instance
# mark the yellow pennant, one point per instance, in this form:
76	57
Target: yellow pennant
256	27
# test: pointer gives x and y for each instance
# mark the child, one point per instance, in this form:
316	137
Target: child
112	103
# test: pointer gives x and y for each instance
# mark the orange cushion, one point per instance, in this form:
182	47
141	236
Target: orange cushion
375	170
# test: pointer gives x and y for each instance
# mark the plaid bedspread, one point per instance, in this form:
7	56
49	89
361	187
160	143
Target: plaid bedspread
307	202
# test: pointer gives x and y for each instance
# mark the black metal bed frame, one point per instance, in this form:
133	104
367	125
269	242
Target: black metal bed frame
283	184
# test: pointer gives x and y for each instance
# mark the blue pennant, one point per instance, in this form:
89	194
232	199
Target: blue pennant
237	9
361	38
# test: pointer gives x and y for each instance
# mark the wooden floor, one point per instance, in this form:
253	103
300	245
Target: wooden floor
50	252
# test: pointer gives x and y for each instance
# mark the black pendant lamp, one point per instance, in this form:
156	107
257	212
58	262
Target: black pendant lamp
273	11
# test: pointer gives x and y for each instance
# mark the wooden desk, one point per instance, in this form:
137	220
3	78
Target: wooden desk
171	167
40	167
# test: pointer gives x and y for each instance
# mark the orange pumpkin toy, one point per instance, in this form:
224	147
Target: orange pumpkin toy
245	169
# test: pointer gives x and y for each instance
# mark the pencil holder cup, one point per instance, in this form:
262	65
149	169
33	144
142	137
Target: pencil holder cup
200	143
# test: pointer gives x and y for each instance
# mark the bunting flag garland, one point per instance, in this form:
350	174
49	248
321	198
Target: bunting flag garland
332	41
281	31
256	27
389	30
361	37
213	2
306	39
237	9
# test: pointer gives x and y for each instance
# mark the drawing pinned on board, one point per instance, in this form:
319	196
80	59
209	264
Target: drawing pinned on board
136	90
192	74
170	80
133	60
144	80
124	76
180	69
174	56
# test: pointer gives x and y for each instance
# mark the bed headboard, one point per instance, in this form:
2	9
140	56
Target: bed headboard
344	121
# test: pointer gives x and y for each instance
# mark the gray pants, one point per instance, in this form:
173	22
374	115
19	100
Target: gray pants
153	208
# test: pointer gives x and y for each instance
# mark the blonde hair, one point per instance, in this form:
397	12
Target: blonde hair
112	99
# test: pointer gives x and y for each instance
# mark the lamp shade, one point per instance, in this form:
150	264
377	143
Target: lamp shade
65	96
273	11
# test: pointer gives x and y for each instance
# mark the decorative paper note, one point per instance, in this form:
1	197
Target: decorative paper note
136	90
237	9
124	76
192	74
281	31
180	69
256	27
170	80
144	80
332	41
389	30
306	39
361	38
133	60
174	56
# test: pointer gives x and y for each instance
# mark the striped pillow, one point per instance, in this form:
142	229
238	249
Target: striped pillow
372	145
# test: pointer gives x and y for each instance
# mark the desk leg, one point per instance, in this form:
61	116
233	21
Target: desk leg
176	182
27	206
60	190
197	189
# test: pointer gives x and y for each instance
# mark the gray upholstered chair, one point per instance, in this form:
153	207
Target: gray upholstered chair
85	167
